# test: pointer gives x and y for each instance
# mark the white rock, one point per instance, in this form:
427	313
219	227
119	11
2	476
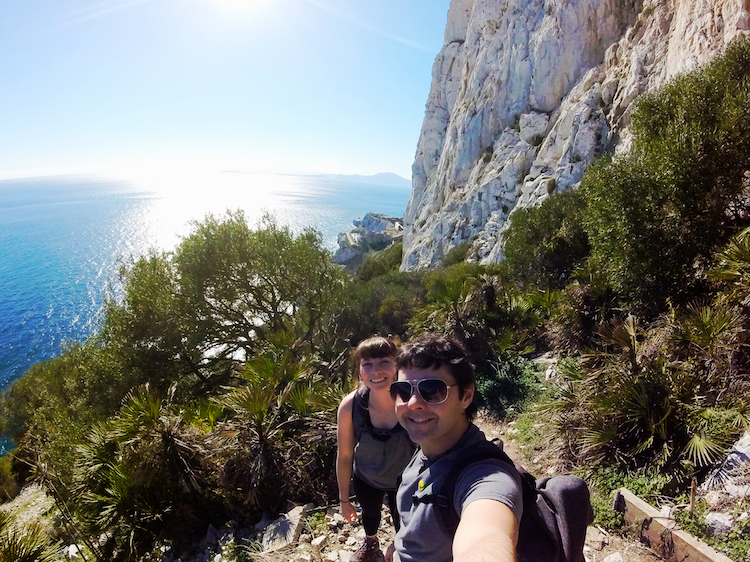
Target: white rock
533	126
614	557
284	530
719	524
505	66
317	542
73	552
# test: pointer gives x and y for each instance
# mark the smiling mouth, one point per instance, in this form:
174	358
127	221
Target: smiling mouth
378	380
420	420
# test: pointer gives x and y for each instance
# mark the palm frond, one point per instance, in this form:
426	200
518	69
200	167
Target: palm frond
703	450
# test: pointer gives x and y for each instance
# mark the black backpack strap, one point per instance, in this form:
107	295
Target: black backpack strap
360	412
443	498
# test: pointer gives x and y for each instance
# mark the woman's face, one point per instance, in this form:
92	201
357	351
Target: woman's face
378	372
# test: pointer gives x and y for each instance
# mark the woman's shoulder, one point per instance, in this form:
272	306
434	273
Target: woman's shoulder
347	402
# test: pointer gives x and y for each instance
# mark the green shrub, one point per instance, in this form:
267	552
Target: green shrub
316	522
382	305
380	263
8	482
544	244
636	404
506	384
735	544
655	216
27	543
456	255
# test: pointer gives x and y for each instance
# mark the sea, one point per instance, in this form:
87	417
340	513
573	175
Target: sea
63	238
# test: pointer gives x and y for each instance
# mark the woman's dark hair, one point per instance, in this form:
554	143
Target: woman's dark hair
433	352
375	347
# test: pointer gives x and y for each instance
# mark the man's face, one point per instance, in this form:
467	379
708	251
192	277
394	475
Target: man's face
434	427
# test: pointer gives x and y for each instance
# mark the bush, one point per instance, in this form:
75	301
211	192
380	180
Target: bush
380	263
506	385
735	544
382	305
655	216
545	244
456	255
8	483
635	404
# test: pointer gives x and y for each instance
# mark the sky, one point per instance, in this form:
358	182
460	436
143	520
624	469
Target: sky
291	86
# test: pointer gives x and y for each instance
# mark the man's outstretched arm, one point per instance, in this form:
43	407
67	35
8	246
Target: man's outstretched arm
487	532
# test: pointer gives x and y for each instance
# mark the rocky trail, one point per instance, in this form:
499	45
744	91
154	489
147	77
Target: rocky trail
331	539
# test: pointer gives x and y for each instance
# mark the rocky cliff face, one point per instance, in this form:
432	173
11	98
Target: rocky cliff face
527	93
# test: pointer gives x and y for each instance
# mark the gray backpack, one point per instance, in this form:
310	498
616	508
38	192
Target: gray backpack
556	511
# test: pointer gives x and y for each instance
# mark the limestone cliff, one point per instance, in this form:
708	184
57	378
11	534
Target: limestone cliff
527	93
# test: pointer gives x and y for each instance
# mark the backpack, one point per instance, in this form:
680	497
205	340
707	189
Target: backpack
556	511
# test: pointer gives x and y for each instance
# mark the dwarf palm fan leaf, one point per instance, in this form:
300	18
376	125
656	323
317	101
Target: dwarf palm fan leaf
734	262
27	544
712	433
566	395
596	439
711	327
702	450
301	397
252	402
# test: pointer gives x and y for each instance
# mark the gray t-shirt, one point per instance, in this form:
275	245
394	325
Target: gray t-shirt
421	538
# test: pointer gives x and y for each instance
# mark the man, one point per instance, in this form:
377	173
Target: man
433	395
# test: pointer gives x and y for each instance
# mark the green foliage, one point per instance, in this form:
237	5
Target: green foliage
655	216
26	544
456	255
382	305
49	410
187	317
380	263
279	442
140	478
506	384
633	404
457	301
317	522
8	482
545	244
645	483
733	266
735	544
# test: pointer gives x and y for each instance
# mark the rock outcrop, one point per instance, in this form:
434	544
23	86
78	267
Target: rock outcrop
527	93
373	233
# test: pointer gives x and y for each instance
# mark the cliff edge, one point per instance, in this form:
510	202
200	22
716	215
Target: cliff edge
526	94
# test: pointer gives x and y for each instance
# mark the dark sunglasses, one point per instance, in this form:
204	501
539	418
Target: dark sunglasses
432	391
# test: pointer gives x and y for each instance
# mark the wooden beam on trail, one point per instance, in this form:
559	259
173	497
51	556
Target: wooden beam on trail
662	534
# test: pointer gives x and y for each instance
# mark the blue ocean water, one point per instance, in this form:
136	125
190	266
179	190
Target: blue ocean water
62	238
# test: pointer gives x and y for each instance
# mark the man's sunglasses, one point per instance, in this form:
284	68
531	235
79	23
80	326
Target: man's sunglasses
432	391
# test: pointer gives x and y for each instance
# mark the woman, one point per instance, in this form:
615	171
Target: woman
373	448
